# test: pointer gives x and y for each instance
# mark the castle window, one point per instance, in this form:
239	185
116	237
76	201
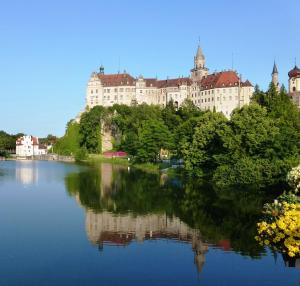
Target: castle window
91	91
294	88
116	90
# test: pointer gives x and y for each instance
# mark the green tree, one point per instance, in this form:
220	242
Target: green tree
90	129
153	136
199	157
69	143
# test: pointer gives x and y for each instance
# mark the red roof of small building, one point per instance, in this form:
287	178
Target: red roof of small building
116	79
222	79
35	140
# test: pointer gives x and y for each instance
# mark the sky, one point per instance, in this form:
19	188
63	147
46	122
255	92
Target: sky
48	49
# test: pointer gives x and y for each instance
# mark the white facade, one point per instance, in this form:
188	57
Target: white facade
28	145
294	85
222	92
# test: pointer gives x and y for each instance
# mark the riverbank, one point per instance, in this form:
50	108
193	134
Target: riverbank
149	167
46	157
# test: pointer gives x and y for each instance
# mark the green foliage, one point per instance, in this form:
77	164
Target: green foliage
90	129
153	136
49	140
81	155
7	141
68	144
257	146
199	156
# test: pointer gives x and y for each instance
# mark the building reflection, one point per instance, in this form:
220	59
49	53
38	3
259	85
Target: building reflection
27	172
106	228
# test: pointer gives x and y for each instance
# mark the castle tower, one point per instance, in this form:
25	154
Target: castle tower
199	71
294	84
275	78
101	69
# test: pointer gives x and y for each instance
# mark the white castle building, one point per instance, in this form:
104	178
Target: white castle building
294	85
219	91
28	145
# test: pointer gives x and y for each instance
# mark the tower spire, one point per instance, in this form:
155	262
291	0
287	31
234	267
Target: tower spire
275	78
275	70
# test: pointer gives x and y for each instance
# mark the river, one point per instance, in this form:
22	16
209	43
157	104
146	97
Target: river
69	224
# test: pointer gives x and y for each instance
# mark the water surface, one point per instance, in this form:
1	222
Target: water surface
67	224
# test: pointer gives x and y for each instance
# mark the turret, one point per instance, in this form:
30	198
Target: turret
101	69
275	78
199	59
199	69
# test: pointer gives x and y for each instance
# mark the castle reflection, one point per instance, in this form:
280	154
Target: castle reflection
107	228
124	206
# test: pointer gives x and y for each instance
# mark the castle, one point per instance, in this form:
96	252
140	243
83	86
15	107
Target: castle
220	91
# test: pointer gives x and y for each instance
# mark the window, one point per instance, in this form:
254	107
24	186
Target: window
91	91
121	89
116	90
96	90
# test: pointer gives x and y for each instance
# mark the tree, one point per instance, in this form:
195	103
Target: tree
188	110
90	129
199	157
69	143
153	136
256	154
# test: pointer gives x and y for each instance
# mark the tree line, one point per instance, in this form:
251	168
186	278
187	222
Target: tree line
258	145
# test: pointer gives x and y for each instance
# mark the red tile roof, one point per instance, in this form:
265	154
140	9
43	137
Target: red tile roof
151	82
175	82
116	79
35	140
222	79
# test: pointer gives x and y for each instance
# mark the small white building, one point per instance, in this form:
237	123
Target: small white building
28	145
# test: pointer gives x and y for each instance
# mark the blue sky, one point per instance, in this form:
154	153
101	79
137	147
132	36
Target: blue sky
48	49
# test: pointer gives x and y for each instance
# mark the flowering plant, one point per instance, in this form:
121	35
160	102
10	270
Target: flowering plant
293	178
281	227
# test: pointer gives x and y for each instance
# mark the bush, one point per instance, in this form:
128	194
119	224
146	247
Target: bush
81	155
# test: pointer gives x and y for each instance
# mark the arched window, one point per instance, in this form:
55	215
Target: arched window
294	88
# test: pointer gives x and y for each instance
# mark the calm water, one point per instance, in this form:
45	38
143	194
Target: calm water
63	224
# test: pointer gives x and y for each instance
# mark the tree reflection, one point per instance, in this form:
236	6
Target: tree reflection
222	218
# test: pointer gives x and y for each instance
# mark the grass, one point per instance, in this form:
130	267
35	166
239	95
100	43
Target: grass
97	158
